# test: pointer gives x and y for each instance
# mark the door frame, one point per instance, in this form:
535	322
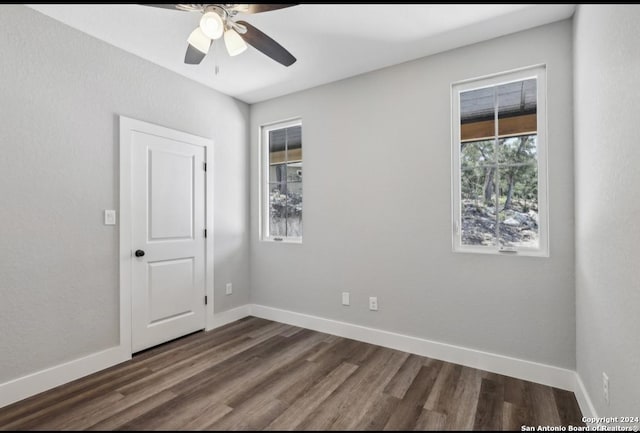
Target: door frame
127	126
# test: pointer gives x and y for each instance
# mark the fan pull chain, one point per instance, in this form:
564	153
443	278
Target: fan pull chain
216	68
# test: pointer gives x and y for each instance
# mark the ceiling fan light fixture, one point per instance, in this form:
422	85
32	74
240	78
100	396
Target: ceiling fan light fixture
234	42
212	25
217	18
198	40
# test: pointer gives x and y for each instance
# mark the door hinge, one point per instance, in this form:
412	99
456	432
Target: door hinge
205	233
204	165
205	300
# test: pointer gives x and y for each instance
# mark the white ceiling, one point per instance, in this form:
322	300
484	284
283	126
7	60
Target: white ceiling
331	42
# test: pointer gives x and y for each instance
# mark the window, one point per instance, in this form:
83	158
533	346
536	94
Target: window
281	182
499	164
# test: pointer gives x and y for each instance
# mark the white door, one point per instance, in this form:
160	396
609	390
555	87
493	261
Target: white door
168	238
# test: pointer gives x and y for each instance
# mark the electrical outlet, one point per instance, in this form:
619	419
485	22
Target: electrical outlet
373	303
345	298
110	217
229	289
605	387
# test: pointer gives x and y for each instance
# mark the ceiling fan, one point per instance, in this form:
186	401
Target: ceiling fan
218	21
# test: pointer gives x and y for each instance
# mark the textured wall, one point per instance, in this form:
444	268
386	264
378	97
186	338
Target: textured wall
607	79
377	209
61	92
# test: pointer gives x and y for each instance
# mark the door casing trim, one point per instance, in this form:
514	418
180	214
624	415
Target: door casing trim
127	126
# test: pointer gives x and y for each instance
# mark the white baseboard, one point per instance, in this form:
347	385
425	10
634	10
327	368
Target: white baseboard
225	317
26	386
31	384
40	381
518	368
584	401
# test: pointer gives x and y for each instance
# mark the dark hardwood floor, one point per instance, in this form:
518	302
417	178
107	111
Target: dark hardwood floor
255	374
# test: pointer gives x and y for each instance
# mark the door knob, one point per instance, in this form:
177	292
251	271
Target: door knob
139	253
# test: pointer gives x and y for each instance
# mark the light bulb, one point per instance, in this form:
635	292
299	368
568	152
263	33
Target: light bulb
199	41
212	25
234	42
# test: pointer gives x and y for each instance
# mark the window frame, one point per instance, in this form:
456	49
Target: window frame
263	176
493	80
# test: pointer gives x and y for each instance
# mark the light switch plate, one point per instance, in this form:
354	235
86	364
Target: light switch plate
110	217
345	298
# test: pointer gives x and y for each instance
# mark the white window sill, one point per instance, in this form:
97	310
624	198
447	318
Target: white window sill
497	252
282	240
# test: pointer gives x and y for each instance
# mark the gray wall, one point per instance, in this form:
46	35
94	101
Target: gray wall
607	78
377	209
60	94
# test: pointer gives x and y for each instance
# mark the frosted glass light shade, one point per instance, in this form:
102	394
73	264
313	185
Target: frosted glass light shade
212	25
234	42
199	41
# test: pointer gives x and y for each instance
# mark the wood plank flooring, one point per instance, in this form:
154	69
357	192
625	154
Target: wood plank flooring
255	374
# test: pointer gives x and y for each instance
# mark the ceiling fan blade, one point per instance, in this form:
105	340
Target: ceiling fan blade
163	6
266	7
193	56
266	45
